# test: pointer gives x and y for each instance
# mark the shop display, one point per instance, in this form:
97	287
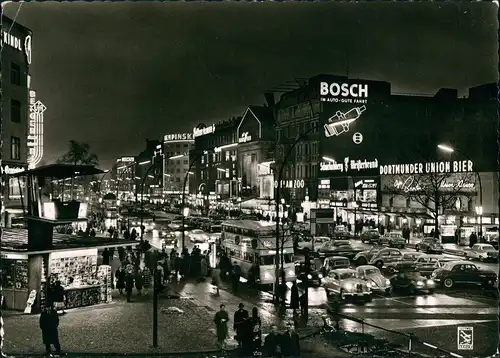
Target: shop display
14	274
83	296
105	278
72	269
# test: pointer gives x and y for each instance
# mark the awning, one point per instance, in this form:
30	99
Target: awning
61	171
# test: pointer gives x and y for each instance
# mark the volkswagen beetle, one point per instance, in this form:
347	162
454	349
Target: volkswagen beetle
373	277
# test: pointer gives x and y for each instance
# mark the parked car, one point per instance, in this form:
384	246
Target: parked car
386	256
393	267
464	272
482	252
340	232
168	239
426	264
429	245
371	236
346	283
412	281
313	277
363	257
198	236
372	275
175	225
306	243
336	248
333	263
393	239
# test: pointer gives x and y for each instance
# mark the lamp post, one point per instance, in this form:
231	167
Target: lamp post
479	209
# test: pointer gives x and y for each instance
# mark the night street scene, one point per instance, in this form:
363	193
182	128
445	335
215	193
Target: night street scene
249	179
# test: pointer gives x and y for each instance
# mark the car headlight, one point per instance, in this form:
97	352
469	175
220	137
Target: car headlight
420	283
320	275
309	276
368	284
430	283
387	282
348	286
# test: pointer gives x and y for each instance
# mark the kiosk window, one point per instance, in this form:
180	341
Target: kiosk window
267	260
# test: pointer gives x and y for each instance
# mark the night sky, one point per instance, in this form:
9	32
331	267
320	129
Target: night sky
114	74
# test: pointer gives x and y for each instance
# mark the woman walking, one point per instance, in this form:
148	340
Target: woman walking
129	285
120	279
139	281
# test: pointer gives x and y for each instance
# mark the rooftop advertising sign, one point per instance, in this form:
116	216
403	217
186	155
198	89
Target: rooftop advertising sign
178	137
35	131
198	132
463	166
17	44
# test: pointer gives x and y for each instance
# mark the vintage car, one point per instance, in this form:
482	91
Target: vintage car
340	232
371	236
393	239
311	244
333	263
412	281
168	239
393	267
386	256
482	252
336	248
363	257
312	277
373	276
426	264
429	245
464	272
198	236
346	283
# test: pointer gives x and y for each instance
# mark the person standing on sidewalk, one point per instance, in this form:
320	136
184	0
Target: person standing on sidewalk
139	281
120	279
294	297
236	274
290	342
49	323
272	343
240	318
129	285
221	318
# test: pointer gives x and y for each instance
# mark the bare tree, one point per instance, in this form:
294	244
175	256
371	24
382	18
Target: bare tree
435	192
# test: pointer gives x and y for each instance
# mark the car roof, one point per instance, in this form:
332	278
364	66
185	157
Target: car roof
336	258
431	255
461	262
483	244
365	267
344	270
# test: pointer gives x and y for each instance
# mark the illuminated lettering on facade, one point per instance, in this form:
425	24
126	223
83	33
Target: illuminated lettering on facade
410	185
343	90
245	137
127	159
290	184
12	41
35	131
348	165
462	166
178	137
197	132
12	170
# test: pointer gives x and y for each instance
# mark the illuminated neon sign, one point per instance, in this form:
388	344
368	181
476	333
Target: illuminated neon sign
197	132
16	43
457	166
177	137
35	134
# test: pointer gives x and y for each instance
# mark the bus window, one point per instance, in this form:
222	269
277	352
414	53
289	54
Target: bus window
247	257
267	260
288	258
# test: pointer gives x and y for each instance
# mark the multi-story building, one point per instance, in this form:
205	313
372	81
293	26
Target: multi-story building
15	83
215	155
124	178
256	145
177	147
149	171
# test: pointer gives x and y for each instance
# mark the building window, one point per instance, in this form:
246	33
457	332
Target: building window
185	145
186	162
15	74
15	111
15	148
178	170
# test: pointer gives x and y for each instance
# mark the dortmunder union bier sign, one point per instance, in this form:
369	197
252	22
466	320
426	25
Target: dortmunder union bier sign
456	166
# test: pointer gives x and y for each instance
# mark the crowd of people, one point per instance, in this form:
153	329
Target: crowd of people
249	334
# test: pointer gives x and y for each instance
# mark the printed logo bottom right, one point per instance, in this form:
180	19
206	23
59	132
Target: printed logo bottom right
465	338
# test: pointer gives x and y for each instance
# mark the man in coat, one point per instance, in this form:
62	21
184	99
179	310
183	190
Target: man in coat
290	342
49	322
221	318
240	318
272	343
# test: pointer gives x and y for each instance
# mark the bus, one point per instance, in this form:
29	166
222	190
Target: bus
252	244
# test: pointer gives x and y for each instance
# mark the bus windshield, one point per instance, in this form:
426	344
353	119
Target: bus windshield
269	259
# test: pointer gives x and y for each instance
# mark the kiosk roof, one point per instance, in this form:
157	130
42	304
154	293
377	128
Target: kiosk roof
61	171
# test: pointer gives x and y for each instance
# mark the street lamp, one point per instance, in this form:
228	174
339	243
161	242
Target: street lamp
355	206
479	209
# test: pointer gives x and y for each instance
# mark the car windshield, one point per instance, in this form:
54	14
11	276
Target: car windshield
177	222
197	231
347	275
449	265
372	271
412	274
341	243
395	235
336	263
432	241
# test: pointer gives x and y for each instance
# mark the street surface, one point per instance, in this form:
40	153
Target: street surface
432	318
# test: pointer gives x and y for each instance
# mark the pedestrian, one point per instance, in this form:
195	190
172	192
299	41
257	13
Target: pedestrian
139	281
272	343
472	239
216	278
58	296
129	285
302	303
255	331
121	253
236	274
120	279
290	342
203	268
105	257
221	318
294	297
49	323
240	317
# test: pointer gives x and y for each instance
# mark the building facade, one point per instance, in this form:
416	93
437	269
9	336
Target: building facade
124	173
16	59
149	170
177	147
